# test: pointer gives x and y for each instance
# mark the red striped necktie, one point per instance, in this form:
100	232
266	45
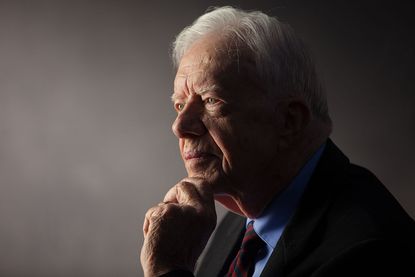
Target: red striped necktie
244	263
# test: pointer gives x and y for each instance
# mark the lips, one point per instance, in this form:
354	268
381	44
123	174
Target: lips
195	154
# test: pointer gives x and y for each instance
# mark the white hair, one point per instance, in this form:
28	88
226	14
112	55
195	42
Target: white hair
282	61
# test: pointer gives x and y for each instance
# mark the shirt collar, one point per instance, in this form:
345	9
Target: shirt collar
270	225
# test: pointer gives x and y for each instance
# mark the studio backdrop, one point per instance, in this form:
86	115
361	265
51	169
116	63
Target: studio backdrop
85	117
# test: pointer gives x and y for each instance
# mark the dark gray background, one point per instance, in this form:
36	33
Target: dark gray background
85	115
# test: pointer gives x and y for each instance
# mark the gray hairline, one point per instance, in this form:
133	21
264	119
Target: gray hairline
268	40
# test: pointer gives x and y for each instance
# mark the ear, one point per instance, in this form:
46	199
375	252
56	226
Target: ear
296	117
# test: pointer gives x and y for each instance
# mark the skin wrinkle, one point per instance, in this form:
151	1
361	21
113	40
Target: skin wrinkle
199	92
188	79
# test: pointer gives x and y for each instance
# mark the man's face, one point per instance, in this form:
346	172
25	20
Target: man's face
225	123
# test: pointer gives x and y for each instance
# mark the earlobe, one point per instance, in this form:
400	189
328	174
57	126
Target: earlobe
299	116
296	116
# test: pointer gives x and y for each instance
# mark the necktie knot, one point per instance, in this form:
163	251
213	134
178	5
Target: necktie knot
244	262
251	240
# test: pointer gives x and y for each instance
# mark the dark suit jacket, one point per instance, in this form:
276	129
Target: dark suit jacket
346	224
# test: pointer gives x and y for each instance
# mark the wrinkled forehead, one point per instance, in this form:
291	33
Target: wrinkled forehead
201	64
216	58
213	49
196	66
207	57
213	62
194	73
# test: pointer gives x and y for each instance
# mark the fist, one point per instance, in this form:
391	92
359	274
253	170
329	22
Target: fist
177	230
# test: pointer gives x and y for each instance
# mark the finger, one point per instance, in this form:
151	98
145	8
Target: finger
146	225
185	190
171	195
150	217
187	193
203	188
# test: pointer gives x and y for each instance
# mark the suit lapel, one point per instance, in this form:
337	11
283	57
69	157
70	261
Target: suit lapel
227	237
297	239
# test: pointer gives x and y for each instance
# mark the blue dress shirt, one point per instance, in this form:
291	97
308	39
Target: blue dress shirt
270	225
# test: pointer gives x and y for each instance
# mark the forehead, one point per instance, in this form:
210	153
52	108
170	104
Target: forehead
195	69
205	58
216	62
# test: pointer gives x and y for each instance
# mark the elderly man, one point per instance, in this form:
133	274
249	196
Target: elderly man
253	127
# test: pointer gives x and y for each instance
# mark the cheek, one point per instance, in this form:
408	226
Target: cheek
250	138
225	138
220	132
217	127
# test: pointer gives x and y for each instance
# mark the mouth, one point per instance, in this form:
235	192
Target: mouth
191	155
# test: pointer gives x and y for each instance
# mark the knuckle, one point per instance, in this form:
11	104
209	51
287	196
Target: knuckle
149	212
170	210
184	185
153	213
162	210
183	189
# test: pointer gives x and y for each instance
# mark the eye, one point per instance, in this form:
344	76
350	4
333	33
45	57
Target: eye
211	101
179	106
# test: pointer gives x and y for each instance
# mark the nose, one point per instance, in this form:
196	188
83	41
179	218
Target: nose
188	123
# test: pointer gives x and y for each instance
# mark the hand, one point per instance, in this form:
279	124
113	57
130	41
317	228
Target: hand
177	230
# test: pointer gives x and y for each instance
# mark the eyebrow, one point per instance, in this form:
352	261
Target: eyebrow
200	91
